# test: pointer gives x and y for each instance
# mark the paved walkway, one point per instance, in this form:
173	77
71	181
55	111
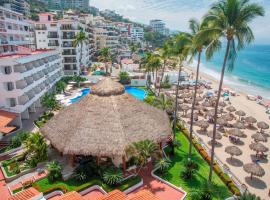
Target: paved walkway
158	188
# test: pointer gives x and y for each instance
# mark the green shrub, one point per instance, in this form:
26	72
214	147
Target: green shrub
124	78
113	176
54	170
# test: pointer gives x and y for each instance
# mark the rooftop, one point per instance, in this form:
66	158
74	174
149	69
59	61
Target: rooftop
23	54
5	119
25	194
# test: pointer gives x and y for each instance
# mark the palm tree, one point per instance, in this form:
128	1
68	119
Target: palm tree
54	169
229	19
113	176
196	46
143	150
79	40
165	54
105	56
162	102
60	86
180	51
144	65
154	65
49	101
248	196
163	164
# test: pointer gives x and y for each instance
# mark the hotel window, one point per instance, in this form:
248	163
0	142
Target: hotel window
12	102
8	70
10	86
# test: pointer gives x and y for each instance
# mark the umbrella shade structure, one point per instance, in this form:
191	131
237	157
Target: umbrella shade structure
221	121
206	104
258	137
228	117
105	123
258	147
203	124
222	104
199	107
236	132
262	126
250	120
233	151
239	125
218	135
195	115
231	109
240	113
198	99
254	169
185	96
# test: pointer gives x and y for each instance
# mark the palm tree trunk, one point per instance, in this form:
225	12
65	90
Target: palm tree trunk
81	56
193	105
216	108
162	75
176	103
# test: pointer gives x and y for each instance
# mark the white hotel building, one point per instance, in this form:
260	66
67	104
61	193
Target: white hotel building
25	78
60	34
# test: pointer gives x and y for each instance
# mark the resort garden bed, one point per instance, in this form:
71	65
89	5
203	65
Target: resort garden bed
46	116
15	142
173	175
72	184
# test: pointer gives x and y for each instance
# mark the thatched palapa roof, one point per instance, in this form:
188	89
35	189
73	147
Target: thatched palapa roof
105	123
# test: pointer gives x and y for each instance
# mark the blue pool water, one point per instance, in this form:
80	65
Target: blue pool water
84	92
136	92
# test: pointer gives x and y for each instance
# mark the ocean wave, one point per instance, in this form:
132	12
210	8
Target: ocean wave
237	83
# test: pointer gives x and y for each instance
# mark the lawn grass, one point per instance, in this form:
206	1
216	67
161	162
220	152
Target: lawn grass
201	177
73	184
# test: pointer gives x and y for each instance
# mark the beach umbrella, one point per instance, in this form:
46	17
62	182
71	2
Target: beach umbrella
218	135
209	93
240	113
250	120
233	151
258	147
254	169
231	109
221	121
236	132
198	107
222	104
228	117
203	125
198	98
200	92
206	104
259	137
195	115
262	126
239	125
184	107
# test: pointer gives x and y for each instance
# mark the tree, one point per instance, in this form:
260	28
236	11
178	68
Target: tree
154	64
105	56
196	46
180	51
229	19
60	86
113	176
49	101
162	102
204	193
54	169
163	164
144	65
79	40
165	54
248	196
36	147
133	47
124	78
143	150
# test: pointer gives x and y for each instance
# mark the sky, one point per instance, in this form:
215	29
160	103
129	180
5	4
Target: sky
176	13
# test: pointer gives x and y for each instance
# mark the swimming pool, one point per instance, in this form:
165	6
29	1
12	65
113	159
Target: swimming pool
136	92
84	92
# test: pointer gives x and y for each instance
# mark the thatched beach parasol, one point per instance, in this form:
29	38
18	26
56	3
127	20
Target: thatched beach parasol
239	125
203	125
262	126
206	104
236	132
250	120
106	123
254	170
258	147
240	113
233	151
258	137
222	104
231	109
228	117
218	135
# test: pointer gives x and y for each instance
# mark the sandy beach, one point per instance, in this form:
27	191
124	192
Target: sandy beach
259	185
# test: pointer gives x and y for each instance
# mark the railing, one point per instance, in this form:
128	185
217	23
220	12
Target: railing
53	36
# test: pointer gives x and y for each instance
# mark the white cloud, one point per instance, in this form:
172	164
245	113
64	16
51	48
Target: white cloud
176	13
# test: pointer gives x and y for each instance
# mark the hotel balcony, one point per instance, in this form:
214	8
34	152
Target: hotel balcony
30	94
29	80
53	44
53	36
20	68
37	90
23	99
21	84
68	37
36	76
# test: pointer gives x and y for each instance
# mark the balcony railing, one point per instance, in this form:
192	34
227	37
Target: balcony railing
53	36
68	37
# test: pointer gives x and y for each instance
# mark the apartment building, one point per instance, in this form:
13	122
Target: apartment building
75	4
106	34
60	34
25	77
159	26
20	6
15	30
136	33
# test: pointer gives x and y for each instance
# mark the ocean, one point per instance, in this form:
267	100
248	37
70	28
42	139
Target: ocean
251	72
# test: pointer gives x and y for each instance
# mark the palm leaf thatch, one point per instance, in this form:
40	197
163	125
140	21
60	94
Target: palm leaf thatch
106	123
254	169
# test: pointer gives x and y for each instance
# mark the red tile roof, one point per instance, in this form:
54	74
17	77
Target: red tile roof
25	194
70	196
143	195
5	119
114	195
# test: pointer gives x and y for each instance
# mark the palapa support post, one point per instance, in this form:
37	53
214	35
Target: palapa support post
124	165
98	160
72	160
